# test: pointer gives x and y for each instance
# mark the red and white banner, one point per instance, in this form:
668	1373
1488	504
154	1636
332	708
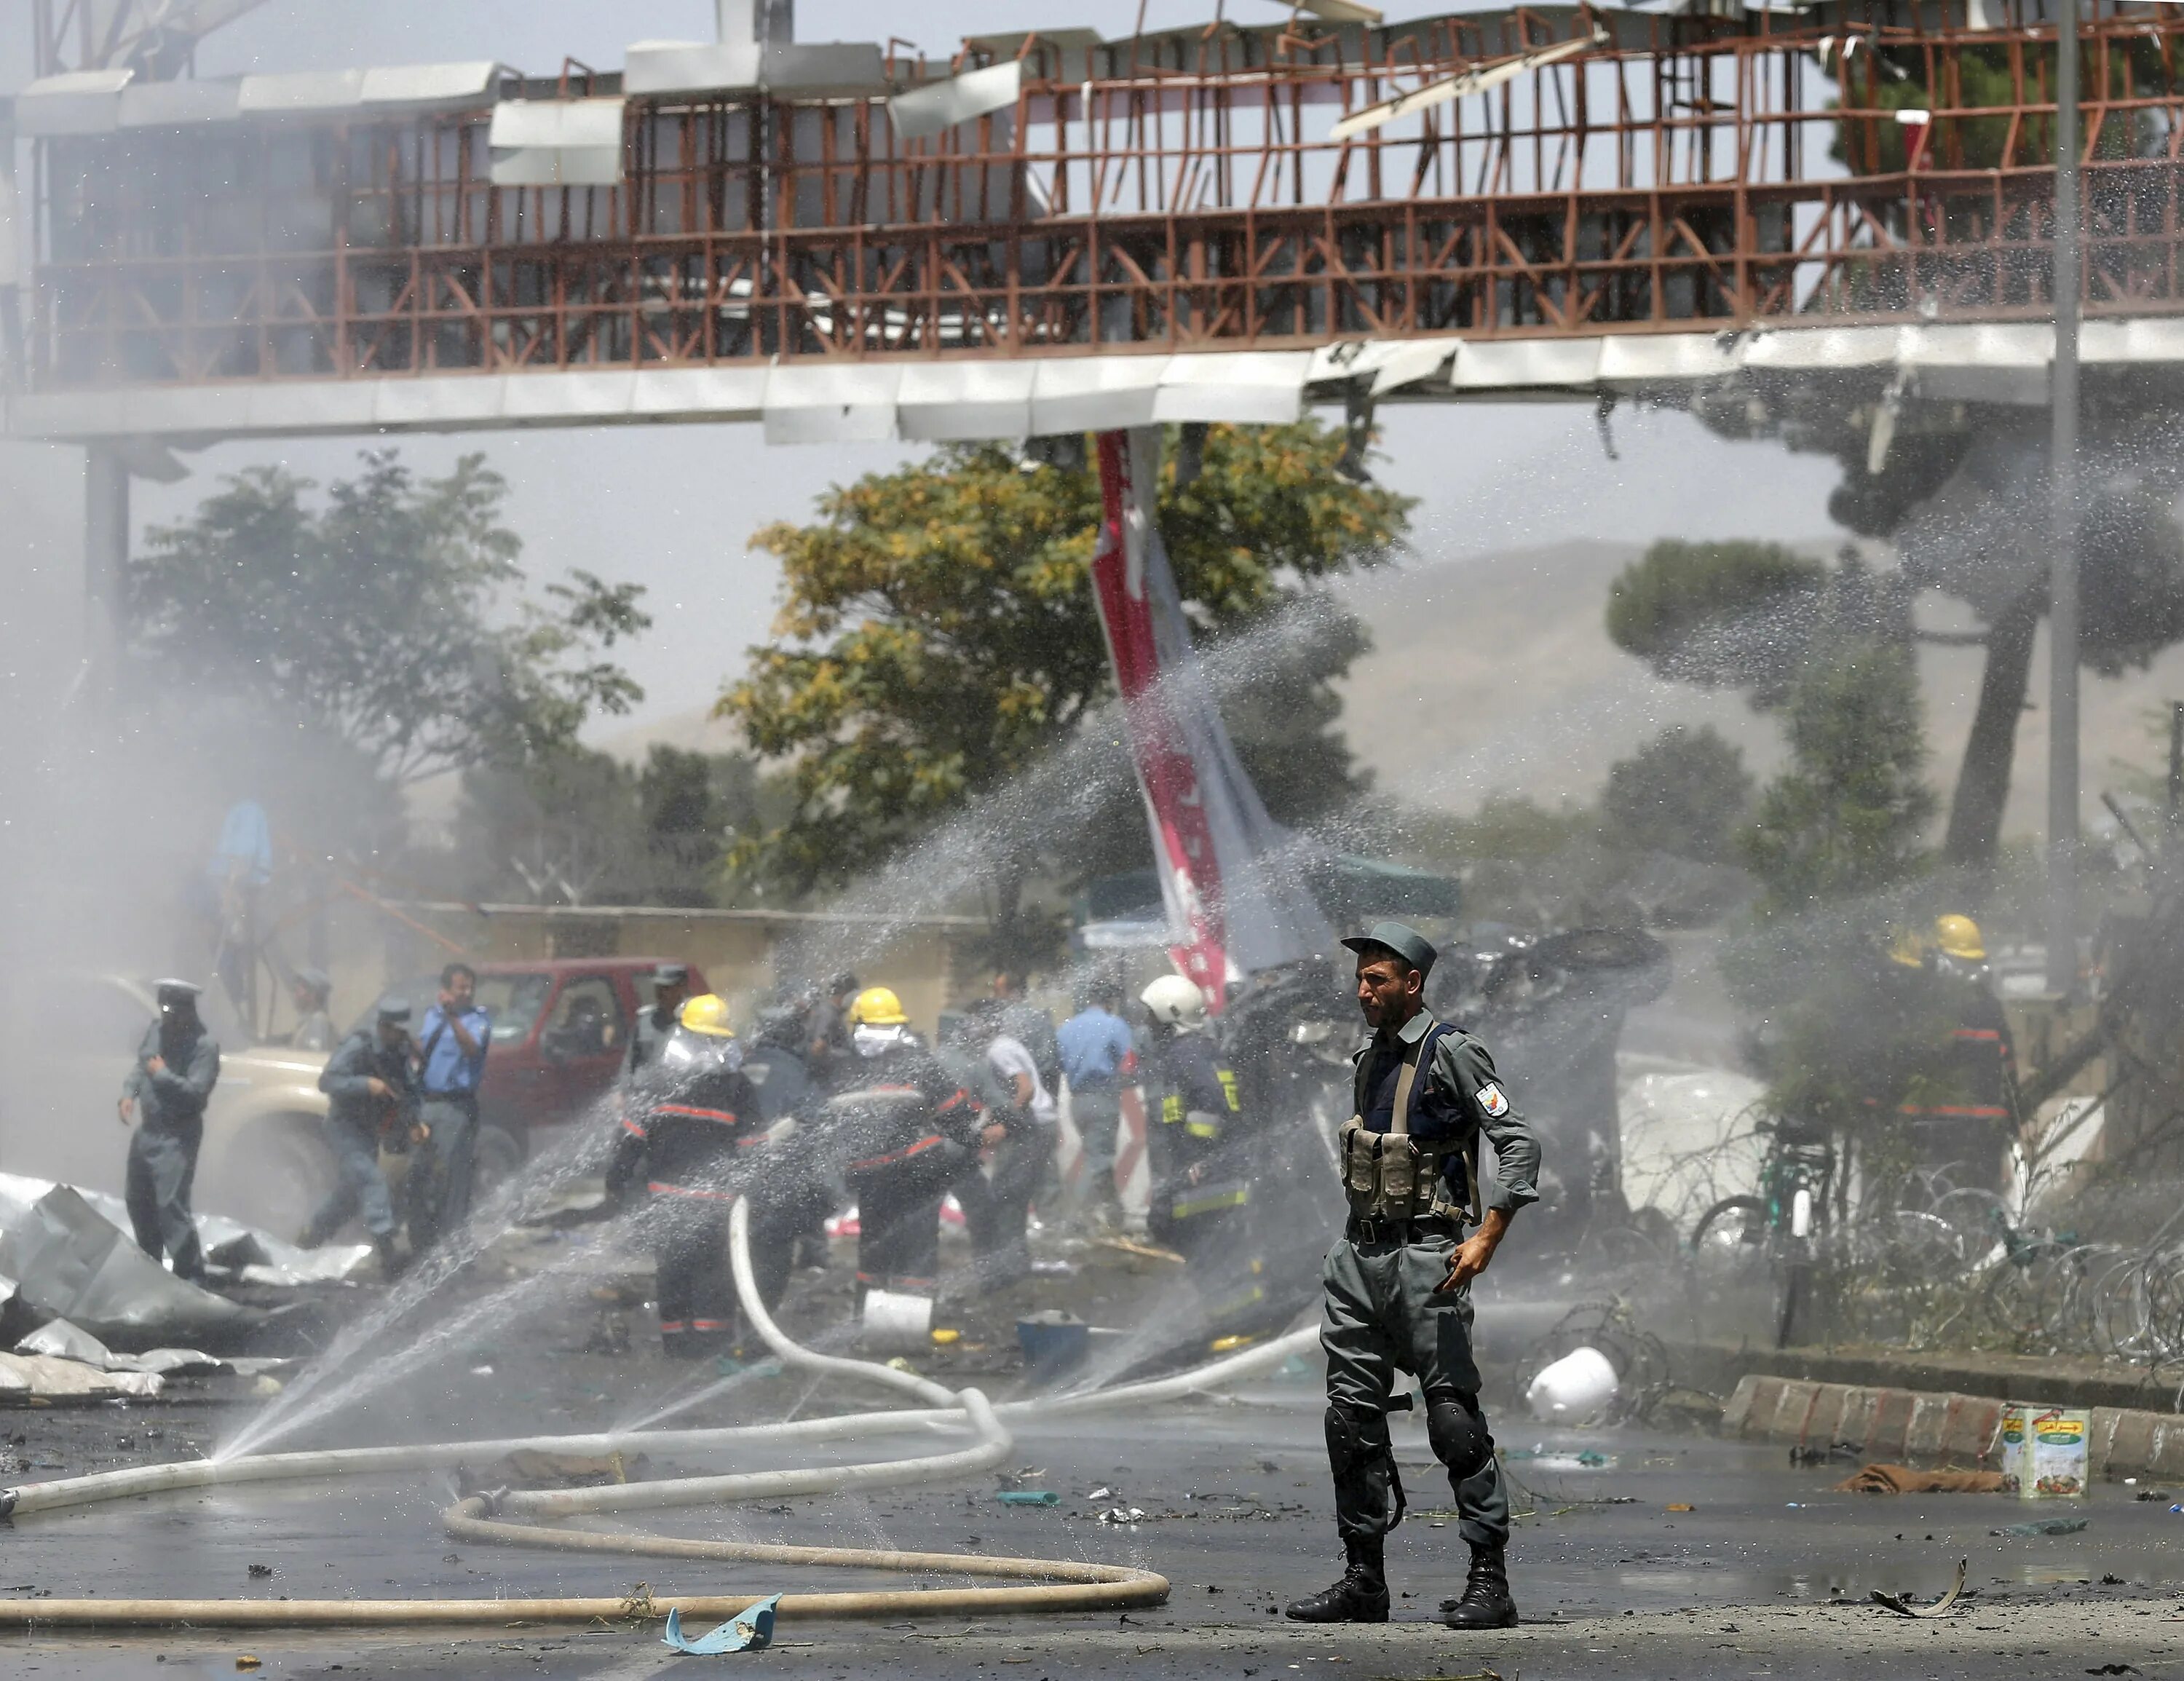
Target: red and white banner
1231	908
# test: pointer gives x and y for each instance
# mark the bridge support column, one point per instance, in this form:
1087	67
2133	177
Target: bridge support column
2062	507
105	560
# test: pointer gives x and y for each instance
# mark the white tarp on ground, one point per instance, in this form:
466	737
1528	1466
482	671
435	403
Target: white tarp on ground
1687	1136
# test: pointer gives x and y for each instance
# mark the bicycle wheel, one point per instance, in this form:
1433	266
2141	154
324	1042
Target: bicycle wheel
1729	1224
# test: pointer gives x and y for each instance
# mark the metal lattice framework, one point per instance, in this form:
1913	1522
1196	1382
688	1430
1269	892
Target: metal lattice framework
1175	194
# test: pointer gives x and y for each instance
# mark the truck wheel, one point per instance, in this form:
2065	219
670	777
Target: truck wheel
498	1159
274	1174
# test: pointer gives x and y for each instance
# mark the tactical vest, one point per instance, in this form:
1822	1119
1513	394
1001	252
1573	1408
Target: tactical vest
1392	1176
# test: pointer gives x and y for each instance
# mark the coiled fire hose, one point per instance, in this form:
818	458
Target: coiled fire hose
1062	1584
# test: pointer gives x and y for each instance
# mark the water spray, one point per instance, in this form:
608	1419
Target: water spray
1062	1585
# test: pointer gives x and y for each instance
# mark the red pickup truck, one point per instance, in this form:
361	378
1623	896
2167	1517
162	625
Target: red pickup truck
560	1036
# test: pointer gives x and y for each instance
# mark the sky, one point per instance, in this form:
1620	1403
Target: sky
674	507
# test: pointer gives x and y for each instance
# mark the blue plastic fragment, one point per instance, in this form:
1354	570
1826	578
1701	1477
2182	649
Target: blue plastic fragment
751	1631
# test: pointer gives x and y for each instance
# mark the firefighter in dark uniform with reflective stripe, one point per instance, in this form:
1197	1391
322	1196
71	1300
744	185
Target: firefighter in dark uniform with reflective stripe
1200	1190
1397	1281
691	1124
907	1128
1956	1079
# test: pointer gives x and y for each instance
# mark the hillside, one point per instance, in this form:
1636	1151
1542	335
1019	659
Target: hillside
1494	674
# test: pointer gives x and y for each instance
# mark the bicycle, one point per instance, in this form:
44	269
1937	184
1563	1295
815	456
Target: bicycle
1789	1218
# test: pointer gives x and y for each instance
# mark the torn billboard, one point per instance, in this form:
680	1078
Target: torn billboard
1232	906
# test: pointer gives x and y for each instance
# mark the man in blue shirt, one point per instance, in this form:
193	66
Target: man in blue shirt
1098	1059
451	1047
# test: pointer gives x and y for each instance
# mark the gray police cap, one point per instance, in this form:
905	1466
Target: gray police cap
171	991
671	974
316	979
1399	937
394	1010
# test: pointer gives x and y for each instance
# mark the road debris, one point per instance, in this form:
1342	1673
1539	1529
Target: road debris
1027	1497
1123	1514
2043	1525
751	1630
1903	1479
1903	1607
1579	1386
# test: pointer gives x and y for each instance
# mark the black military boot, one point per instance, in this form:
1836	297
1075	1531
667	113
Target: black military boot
1360	1596
1485	1603
390	1262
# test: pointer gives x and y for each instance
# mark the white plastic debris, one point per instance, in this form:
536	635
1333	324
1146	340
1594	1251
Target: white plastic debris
894	1319
1575	1389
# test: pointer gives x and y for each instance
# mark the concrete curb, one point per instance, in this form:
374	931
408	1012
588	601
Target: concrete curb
1910	1425
1717	1366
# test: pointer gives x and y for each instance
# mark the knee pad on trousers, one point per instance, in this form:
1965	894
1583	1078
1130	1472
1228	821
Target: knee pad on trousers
1457	1432
1357	1439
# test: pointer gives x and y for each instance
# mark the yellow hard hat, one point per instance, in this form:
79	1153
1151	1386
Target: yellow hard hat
1959	937
1908	948
707	1014
878	1007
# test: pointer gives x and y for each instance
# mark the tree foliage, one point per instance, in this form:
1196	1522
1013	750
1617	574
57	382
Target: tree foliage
938	634
391	617
578	827
1686	792
1719	615
1848	816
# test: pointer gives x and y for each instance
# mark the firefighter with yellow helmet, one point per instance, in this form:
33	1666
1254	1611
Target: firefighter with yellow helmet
1960	1092
691	1124
907	1129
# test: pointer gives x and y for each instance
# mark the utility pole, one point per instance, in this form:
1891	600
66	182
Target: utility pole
2062	514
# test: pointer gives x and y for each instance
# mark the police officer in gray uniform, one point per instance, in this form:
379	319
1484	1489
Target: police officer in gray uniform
163	1098
1397	1281
671	986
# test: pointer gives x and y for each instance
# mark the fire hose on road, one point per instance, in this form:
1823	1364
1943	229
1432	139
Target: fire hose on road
1042	1584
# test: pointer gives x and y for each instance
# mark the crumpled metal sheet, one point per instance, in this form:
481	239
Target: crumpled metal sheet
257	1256
69	1261
59	1340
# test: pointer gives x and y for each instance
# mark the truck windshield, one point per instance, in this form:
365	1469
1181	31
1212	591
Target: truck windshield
514	1002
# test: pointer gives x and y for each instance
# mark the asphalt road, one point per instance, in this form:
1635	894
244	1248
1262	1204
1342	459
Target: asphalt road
1753	1581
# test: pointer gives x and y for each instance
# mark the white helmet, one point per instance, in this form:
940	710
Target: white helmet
1176	1002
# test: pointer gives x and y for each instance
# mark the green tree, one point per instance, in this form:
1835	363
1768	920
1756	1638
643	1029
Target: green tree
696	806
577	826
937	635
1718	615
391	617
565	827
1848	817
1686	792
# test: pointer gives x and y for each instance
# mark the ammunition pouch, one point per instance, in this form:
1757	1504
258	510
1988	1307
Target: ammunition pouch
1392	1176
